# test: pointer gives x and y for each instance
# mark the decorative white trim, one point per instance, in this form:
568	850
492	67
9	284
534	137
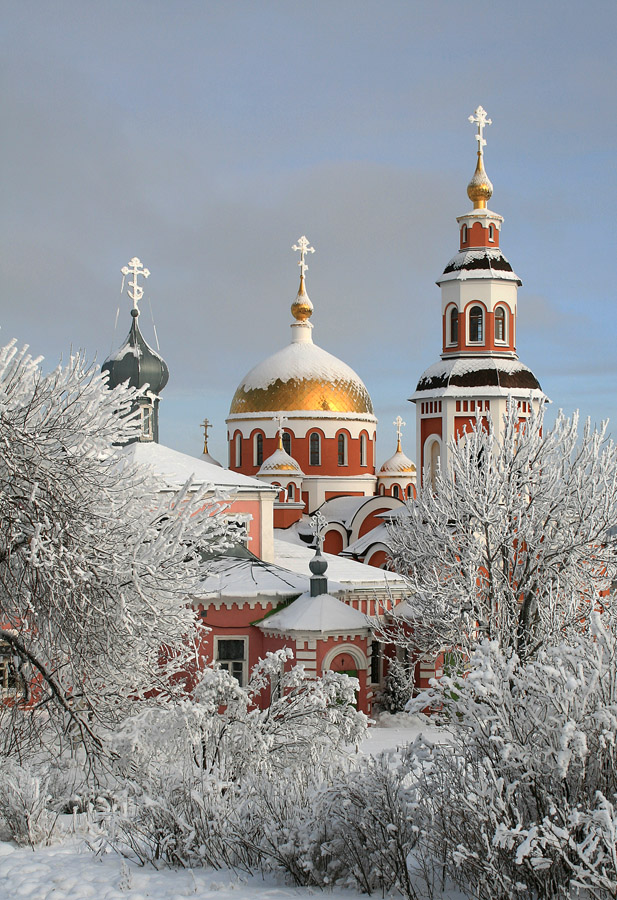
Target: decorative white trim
358	655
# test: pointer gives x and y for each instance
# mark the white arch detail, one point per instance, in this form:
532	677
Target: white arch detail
359	657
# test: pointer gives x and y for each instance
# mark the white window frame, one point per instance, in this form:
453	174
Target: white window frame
482	341
450	340
256	460
345	449
318	436
504	339
224	663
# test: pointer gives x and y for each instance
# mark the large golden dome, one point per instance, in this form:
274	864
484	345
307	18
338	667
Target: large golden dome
303	377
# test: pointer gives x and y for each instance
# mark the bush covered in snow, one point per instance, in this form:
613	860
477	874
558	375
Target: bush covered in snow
217	781
521	801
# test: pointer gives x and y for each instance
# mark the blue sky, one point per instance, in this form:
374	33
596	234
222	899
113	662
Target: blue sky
206	137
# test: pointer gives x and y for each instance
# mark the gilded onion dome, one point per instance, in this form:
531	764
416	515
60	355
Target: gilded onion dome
301	376
280	463
399	464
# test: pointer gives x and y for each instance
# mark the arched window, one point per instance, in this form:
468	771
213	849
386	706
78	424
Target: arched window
363	461
410	491
476	325
238	449
342	449
258	449
287	442
382	489
435	461
314	450
291	492
396	492
464	234
454	325
491	232
500	324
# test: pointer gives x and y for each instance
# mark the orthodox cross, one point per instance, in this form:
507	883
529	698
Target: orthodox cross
280	421
480	119
318	526
304	248
399	429
205	425
134	268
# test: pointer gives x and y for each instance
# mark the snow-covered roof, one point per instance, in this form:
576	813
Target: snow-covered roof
399	464
347	572
231	578
280	462
343	509
302	376
173	469
494	374
323	614
378	535
483	262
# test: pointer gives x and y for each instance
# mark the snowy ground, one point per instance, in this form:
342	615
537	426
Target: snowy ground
71	871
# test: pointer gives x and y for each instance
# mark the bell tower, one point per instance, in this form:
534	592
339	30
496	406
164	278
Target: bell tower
479	367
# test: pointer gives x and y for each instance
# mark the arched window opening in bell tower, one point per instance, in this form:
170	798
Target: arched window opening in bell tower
314	450
287	442
464	234
453	325
500	324
476	325
238	449
491	233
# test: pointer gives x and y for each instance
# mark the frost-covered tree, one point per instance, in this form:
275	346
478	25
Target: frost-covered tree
513	543
95	565
520	799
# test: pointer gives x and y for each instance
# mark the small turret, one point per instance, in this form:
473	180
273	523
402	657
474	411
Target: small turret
137	364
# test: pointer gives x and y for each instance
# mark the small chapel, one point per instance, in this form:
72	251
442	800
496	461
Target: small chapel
302	476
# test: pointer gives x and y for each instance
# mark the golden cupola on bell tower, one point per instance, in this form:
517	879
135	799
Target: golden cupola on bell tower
330	421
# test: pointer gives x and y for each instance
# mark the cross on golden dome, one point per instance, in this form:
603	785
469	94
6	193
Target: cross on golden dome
480	189
280	420
399	431
480	119
206	424
303	247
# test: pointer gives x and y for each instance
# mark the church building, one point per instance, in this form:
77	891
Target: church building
302	473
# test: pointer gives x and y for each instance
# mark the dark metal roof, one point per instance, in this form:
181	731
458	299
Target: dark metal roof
137	363
488	374
482	259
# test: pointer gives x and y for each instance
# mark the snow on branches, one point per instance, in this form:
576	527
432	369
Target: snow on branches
95	564
514	542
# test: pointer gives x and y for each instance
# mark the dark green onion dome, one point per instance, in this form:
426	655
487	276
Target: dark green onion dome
137	363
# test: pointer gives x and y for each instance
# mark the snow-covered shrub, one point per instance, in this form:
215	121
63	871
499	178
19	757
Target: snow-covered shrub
398	687
363	831
24	807
521	800
215	779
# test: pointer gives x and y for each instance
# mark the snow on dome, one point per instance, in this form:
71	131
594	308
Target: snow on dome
278	462
323	614
399	464
302	376
489	372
